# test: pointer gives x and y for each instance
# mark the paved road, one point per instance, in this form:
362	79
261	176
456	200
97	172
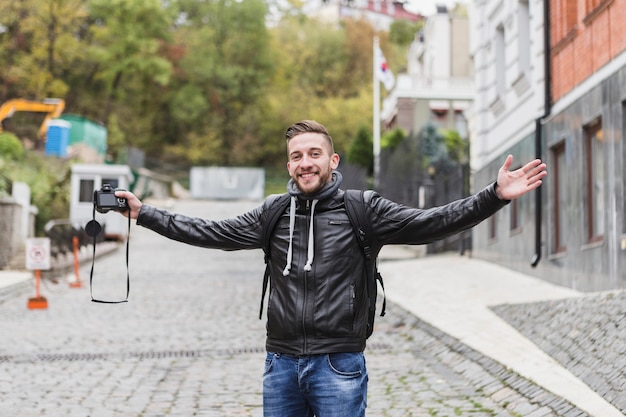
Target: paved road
189	343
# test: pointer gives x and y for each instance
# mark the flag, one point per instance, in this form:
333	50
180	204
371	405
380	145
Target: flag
385	75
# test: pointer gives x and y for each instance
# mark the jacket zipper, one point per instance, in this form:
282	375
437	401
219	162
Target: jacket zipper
305	347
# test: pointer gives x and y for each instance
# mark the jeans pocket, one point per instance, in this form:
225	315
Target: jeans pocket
269	362
347	364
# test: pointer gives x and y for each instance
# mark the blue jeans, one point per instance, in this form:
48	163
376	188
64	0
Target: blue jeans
333	385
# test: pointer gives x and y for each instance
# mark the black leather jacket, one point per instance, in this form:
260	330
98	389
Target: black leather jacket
323	310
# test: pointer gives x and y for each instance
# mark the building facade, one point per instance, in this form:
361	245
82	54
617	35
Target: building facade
571	231
379	13
438	86
585	240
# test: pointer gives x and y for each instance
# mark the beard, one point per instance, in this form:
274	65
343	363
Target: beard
314	183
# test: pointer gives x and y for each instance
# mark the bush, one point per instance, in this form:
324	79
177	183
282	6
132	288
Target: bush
361	150
49	182
10	147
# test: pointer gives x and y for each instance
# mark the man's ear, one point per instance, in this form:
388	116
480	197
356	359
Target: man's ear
334	161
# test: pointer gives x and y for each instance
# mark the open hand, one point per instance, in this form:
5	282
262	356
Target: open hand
514	184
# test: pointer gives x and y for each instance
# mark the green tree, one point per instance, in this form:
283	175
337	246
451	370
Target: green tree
456	146
37	42
10	147
220	81
361	150
392	138
402	32
126	36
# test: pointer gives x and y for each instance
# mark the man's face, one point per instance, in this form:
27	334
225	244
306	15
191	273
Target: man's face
310	161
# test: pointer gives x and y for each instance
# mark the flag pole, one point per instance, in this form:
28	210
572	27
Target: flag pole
376	126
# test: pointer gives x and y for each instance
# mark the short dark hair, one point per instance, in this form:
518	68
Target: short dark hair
308	126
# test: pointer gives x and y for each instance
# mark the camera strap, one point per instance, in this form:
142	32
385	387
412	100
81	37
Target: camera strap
93	229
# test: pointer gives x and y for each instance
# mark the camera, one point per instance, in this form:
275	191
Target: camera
105	200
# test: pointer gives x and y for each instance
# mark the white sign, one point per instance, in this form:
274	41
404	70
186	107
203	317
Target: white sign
38	253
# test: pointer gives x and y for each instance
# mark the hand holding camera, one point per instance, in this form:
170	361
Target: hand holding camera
109	199
105	200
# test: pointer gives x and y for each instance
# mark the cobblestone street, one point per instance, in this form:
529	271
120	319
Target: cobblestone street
189	343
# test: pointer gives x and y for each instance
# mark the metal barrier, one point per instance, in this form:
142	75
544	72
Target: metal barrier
62	233
6	185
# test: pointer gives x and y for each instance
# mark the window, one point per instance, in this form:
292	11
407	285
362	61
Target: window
515	220
559	170
113	182
592	4
594	8
594	181
523	36
624	163
564	19
85	193
493	227
500	63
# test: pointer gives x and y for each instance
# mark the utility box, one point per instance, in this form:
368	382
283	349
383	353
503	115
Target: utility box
86	178
225	183
87	139
57	139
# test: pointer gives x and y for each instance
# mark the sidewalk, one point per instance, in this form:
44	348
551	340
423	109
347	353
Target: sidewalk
453	293
14	282
19	282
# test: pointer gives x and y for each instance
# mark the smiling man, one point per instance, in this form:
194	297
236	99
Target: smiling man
317	314
312	158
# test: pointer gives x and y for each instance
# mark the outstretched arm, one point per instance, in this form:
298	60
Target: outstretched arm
514	184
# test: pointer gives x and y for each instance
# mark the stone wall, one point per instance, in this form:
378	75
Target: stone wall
11	241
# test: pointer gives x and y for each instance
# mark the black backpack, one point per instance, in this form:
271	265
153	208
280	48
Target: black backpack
356	210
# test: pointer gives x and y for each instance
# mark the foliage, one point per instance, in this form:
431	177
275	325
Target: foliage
10	147
192	82
433	147
49	183
392	138
402	32
456	146
361	150
37	46
187	81
442	148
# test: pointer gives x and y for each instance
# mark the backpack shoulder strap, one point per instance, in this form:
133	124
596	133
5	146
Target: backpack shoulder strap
356	207
275	206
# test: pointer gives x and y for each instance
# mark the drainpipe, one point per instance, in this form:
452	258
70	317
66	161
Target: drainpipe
538	128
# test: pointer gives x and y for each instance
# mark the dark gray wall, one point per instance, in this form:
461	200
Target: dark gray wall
586	267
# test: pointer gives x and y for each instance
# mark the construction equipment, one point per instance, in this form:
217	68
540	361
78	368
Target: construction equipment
52	106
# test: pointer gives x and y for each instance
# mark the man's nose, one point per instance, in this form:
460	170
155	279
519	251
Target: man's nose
306	161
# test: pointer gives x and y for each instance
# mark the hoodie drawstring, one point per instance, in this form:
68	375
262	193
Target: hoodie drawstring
310	249
292	222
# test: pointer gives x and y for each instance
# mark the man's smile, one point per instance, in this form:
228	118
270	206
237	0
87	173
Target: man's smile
307	175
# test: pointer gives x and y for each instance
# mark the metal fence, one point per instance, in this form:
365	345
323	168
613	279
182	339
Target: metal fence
62	233
6	185
404	179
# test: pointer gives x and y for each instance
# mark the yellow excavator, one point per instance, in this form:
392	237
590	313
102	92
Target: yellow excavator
52	106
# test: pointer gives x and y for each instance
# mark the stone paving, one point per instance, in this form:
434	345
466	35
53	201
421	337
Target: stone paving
586	335
189	343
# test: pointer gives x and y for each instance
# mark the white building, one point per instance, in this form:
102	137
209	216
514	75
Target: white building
438	84
509	76
508	52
